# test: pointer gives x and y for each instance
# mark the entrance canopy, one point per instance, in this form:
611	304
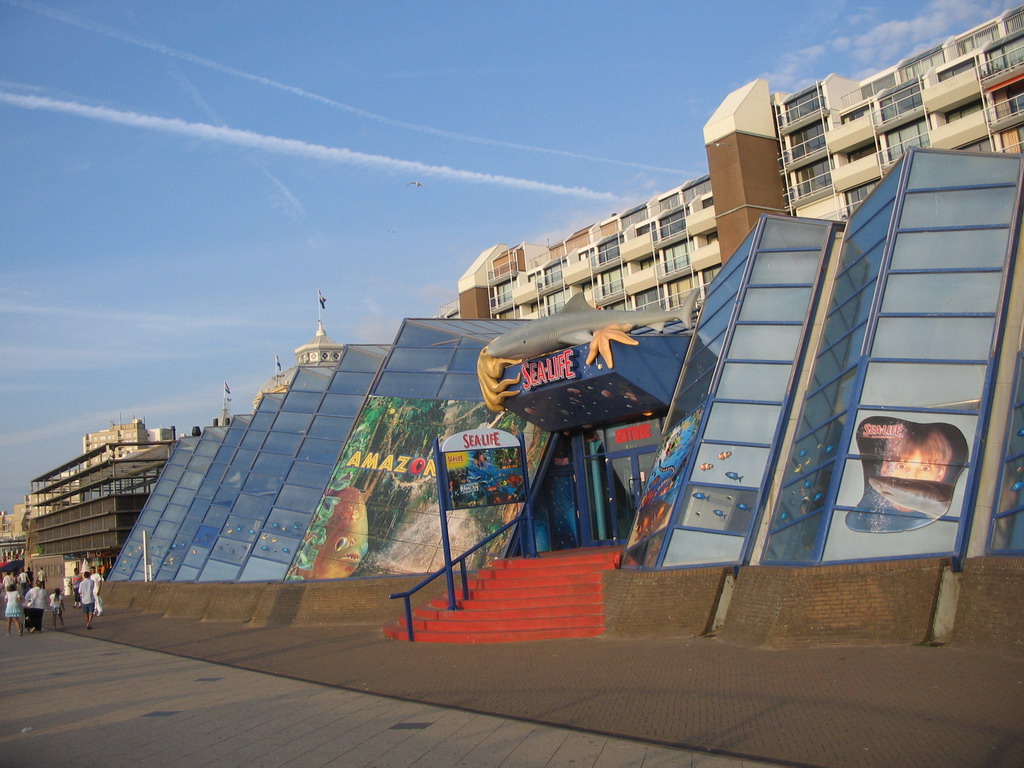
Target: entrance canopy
560	391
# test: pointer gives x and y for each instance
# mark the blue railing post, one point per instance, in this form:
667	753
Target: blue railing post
442	481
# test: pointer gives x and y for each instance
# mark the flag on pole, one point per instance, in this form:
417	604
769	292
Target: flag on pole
320	296
277	361
227	389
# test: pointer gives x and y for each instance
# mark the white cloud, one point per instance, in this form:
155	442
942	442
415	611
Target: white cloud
251	140
125	37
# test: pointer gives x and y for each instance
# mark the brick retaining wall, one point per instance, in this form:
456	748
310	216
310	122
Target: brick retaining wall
878	603
990	611
659	603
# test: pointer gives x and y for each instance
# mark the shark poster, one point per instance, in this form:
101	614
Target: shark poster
910	473
379	514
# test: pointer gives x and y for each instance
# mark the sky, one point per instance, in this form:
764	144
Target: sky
179	180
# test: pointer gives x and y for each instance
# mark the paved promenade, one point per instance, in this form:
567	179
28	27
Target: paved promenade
595	702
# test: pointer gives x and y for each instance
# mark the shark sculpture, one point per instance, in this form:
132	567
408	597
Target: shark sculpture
576	323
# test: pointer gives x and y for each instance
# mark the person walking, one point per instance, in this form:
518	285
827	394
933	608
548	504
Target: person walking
87	595
97	580
12	611
35	607
57	608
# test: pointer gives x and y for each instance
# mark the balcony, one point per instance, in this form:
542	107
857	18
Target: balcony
576	272
1006	114
701	222
552	281
524	291
891	154
858	172
640	280
1002	68
791	120
495	274
671	232
850	135
954	92
639	247
966	130
672	268
609	292
501	302
705	258
810	188
806	152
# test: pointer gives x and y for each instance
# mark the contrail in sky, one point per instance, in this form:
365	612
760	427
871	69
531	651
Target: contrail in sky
102	29
278	145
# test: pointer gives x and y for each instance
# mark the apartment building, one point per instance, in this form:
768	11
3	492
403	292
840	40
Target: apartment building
816	153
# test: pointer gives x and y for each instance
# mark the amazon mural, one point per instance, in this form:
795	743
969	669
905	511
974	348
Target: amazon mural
379	514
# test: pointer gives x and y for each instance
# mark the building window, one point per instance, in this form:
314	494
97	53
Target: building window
854	196
647	299
697	190
900	103
905	137
922	64
1004	57
856	114
803	105
811	178
1009	100
635	217
670	202
963	66
978	39
671	225
985	145
961	112
860	152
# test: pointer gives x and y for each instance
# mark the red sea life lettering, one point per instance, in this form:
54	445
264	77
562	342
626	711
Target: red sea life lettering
635	432
557	367
485	440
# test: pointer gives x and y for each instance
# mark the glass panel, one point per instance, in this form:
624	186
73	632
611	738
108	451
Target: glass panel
250	506
414	334
742	423
258	569
186	573
353	383
277	548
420	359
465	360
309	380
241	528
459	386
263	420
730	464
261	484
253	440
286	521
219	571
282	442
775	304
319	451
695	547
942	293
952	249
357	359
302	402
780	233
924	385
299	498
409	384
952	170
765	342
295	423
942	338
785	267
328	426
272	464
794	544
958	208
753	381
342	405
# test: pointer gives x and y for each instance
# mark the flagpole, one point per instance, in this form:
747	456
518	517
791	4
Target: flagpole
319	307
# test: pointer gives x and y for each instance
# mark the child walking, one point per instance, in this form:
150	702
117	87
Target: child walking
57	608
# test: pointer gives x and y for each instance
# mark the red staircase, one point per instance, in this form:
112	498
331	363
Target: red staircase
556	595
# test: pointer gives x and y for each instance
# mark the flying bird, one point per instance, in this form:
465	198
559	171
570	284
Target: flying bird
414	184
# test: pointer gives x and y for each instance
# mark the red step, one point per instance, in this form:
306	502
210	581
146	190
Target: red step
557	595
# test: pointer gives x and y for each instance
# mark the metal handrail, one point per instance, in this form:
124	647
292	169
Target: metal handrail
530	550
461	560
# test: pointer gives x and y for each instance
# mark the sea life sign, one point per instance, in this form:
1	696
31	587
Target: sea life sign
484	467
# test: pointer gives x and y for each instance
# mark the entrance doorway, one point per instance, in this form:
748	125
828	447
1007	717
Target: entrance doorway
618	461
